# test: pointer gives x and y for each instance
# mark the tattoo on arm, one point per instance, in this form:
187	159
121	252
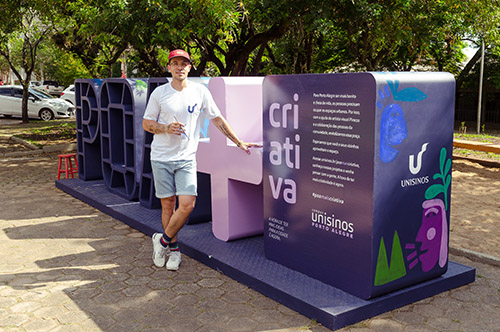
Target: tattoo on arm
223	127
155	128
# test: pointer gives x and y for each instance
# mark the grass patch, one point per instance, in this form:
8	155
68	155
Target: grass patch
484	138
43	133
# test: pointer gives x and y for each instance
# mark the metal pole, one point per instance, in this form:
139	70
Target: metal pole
481	74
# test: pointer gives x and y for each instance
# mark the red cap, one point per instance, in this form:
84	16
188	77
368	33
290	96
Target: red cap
181	53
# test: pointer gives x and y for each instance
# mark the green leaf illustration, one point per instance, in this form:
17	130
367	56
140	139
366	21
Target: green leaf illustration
442	159
448	181
433	191
436	189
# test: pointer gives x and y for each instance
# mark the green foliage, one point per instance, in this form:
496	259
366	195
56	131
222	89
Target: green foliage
257	37
64	67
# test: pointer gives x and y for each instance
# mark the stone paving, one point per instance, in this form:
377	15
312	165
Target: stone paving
66	266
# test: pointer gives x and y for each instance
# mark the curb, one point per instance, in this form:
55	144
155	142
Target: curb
23	142
474	145
475	256
35	150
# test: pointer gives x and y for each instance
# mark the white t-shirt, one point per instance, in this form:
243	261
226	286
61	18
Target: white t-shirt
191	106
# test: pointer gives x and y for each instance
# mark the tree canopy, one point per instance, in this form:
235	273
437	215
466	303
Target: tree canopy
259	37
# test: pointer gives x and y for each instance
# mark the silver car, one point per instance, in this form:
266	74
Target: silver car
69	94
40	104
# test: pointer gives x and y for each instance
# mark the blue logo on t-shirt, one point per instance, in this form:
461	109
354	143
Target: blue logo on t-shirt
192	108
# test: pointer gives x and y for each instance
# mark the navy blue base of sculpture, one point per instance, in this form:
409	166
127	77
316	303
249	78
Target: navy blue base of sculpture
244	261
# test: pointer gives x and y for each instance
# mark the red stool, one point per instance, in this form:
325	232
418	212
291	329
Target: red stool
68	163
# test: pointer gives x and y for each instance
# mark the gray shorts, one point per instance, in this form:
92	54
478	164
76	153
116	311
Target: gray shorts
174	178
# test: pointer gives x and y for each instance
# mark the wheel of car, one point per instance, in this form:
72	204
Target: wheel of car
46	114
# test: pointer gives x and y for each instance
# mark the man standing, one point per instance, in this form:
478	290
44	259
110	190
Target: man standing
173	115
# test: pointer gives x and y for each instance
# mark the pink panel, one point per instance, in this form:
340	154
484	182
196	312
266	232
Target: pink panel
236	178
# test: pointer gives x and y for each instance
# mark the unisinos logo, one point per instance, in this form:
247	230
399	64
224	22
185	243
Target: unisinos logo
192	108
415	169
284	153
328	222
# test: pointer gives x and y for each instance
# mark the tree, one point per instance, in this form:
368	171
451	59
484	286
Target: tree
91	30
482	22
223	34
21	32
372	35
60	65
254	26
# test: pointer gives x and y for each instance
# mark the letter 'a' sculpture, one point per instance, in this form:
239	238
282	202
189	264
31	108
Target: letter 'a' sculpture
357	177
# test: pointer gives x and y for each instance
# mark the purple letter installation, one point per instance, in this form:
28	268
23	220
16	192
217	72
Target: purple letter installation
357	174
236	178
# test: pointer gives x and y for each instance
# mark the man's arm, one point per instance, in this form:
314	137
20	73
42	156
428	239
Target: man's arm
224	127
154	127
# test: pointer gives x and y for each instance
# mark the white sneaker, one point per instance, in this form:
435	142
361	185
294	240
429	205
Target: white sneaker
174	261
159	251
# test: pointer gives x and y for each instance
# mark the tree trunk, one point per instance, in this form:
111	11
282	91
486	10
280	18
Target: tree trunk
467	69
26	85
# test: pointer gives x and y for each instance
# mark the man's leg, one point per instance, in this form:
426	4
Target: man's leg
177	221
165	189
167	210
172	223
160	242
182	180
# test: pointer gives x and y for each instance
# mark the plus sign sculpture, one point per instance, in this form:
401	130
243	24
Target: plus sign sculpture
236	178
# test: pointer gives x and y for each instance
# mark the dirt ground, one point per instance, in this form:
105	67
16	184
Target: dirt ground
475	207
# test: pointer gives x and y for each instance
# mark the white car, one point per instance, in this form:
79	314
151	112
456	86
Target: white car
69	94
40	105
51	87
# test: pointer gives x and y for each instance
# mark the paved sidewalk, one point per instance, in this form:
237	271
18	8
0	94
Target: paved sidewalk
66	266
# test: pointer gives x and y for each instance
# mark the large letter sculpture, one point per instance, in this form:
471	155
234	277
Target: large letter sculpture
235	176
351	164
87	93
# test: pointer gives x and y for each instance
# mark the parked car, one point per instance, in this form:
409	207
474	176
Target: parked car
40	104
35	84
69	94
52	87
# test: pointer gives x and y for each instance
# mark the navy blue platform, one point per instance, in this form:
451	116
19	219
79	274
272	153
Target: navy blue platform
244	261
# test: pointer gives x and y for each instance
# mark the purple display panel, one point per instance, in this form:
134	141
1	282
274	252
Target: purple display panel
341	203
412	188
